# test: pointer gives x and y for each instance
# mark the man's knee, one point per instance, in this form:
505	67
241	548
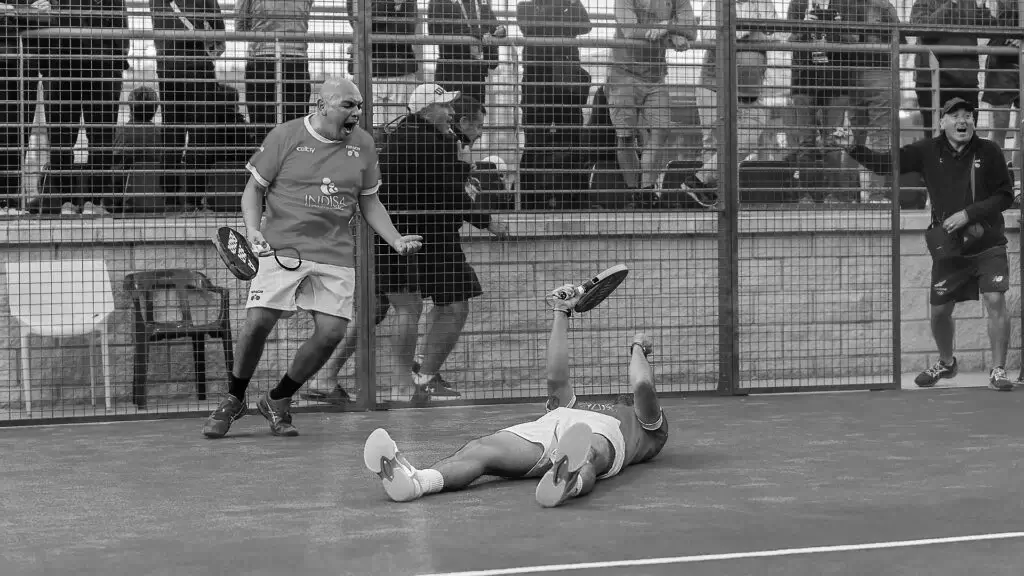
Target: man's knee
260	321
329	330
995	304
943	311
458	309
625	141
406	302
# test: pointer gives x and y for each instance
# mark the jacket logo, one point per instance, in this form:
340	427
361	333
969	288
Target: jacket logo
305	149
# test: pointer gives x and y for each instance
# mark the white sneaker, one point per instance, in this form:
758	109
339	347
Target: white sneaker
381	456
68	208
90	209
562	481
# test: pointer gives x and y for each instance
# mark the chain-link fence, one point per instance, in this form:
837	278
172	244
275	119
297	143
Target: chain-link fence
529	145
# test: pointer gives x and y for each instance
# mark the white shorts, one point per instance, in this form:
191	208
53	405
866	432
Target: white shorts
313	286
545	429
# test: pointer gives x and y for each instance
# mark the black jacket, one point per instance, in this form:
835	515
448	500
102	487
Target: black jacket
102	53
455	64
185	54
955	70
421	171
390	59
947	176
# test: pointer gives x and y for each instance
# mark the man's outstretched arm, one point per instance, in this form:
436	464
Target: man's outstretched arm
641	382
881	162
559	386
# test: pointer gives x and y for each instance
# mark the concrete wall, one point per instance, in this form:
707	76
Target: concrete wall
815	303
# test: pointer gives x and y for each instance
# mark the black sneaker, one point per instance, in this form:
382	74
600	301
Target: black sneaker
219	422
337	397
437	387
278	413
929	377
998	380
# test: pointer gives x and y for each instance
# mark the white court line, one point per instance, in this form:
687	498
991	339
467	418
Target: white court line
732	556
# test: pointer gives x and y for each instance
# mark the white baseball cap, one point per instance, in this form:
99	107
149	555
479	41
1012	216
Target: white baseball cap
426	94
499	164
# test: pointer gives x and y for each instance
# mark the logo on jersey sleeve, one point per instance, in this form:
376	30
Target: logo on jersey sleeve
352	150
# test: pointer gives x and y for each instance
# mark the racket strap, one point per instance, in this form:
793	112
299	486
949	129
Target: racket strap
645	350
566	311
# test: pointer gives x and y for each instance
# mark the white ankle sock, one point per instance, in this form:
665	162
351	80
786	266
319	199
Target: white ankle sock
575	490
430	480
421	379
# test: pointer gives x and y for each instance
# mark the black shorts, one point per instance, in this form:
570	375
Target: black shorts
962	278
1002	87
441	274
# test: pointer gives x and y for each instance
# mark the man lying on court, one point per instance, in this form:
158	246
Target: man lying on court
572	446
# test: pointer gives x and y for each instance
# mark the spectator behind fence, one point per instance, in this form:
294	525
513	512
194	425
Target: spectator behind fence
139	151
185	70
871	102
750	70
753	139
464	67
637	94
554	90
394	64
261	67
969	187
422	173
958	73
1002	81
821	82
15	17
83	83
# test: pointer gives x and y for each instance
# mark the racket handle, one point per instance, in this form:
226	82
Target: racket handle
564	294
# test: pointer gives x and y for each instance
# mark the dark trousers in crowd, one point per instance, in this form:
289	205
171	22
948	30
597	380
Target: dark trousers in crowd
261	91
14	130
88	90
186	95
554	169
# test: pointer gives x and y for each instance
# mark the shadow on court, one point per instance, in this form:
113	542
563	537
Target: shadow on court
738	475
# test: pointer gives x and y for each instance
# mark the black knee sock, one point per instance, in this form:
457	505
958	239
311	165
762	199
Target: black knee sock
237	386
286	388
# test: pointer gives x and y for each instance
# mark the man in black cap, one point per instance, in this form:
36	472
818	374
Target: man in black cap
969	187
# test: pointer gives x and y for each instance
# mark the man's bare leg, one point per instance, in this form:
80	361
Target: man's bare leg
408	308
500	454
337	393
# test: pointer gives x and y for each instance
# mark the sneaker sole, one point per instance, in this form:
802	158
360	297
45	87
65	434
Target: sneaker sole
568	456
1007	387
381	456
265	412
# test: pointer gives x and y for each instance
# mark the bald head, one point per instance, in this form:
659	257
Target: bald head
336	90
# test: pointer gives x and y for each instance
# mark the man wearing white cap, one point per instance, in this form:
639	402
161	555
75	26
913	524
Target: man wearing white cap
422	172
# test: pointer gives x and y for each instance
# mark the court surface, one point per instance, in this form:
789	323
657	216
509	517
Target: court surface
744	486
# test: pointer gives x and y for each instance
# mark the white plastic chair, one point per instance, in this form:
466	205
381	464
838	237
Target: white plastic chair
59	299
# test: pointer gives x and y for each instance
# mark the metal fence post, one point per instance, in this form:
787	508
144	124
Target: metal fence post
1019	175
366	367
728	216
894	148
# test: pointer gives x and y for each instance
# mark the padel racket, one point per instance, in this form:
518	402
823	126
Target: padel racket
234	250
594	291
238	256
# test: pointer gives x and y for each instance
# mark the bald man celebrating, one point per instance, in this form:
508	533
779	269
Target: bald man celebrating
313	172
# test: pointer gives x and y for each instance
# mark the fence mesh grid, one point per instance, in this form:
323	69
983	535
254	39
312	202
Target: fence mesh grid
761	255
